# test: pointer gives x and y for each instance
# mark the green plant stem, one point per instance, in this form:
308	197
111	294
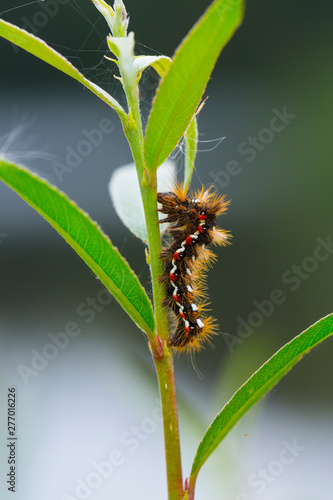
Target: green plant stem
161	354
133	132
191	487
166	380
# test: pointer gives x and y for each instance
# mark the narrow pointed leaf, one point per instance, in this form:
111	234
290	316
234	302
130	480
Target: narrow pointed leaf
257	386
86	238
116	18
107	12
40	49
180	91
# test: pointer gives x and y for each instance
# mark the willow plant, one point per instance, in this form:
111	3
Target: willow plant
183	79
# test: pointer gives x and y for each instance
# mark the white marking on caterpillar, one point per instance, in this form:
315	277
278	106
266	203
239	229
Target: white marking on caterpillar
200	323
174	267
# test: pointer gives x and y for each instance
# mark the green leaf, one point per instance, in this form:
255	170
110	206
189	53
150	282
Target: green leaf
125	193
161	64
86	238
117	19
190	142
40	49
123	49
180	91
107	12
257	386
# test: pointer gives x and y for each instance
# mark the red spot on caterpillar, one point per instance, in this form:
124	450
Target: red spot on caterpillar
188	265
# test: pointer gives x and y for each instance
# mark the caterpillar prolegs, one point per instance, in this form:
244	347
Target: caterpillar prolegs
192	227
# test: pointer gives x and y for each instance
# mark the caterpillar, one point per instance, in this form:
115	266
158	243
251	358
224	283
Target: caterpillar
192	228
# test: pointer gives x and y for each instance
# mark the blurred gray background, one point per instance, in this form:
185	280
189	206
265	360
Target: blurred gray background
88	400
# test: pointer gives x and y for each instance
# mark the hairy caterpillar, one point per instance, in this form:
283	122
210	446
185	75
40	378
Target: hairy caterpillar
192	226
